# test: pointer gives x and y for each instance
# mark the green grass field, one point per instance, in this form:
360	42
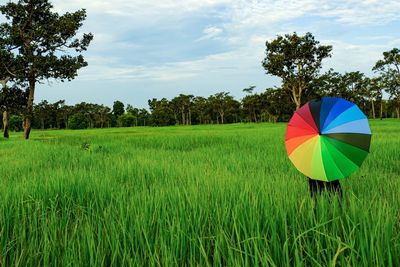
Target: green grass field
191	196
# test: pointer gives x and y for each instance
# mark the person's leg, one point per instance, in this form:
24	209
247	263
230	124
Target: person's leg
334	187
315	186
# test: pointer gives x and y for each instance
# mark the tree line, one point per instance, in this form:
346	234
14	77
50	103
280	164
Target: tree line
37	44
272	105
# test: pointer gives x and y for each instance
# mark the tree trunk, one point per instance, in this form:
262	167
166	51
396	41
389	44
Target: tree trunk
29	110
373	109
398	112
381	112
296	96
222	117
5	124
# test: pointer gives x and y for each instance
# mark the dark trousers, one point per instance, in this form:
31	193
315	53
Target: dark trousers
318	187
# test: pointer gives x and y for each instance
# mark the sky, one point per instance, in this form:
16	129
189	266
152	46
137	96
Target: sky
161	48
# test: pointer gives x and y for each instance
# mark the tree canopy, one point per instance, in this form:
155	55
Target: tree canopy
38	44
389	69
297	61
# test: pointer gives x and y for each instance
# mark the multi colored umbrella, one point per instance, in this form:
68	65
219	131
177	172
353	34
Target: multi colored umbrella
328	139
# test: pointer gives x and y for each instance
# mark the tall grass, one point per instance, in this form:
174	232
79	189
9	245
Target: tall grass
191	196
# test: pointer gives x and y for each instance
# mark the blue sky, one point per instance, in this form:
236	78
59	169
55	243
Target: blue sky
145	49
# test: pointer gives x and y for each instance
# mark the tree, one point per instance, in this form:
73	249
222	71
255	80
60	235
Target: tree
353	86
276	103
12	99
102	115
297	61
44	112
375	94
182	104
15	123
389	69
251	103
37	41
249	90
118	108
200	106
221	104
127	120
78	121
162	113
143	117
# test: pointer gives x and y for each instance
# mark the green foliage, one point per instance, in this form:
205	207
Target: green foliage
38	44
162	112
15	123
127	120
12	98
118	108
222	195
297	61
41	38
78	121
389	69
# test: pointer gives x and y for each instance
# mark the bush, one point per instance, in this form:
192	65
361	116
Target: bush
78	121
15	123
127	120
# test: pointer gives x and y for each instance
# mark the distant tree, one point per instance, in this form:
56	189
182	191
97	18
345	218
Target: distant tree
15	123
221	103
375	95
127	120
143	117
351	85
249	90
12	100
251	104
44	112
118	108
78	121
35	41
140	115
389	70
276	103
355	84
102	115
200	109
330	84
132	110
182	104
162	113
297	61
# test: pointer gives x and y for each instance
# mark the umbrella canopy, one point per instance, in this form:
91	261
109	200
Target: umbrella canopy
328	139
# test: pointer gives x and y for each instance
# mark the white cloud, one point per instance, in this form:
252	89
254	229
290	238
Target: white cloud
242	25
137	8
352	57
361	12
210	32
